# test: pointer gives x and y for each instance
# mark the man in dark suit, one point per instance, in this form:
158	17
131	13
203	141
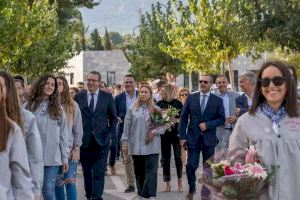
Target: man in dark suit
247	84
123	101
99	121
203	111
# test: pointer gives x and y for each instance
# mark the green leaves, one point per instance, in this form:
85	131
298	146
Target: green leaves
32	42
146	58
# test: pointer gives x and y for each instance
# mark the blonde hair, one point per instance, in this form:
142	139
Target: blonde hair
169	92
150	103
181	90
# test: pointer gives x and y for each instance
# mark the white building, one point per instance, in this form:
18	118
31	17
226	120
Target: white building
112	65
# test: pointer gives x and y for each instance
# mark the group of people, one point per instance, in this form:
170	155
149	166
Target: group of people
46	132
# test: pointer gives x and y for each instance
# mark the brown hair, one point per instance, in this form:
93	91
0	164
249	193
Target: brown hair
169	92
290	102
36	97
66	100
150	103
12	102
5	123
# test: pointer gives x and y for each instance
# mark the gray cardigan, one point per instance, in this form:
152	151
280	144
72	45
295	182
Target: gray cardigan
54	136
34	150
15	181
75	128
135	133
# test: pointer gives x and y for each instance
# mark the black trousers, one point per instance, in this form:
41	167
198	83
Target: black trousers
167	140
145	171
93	161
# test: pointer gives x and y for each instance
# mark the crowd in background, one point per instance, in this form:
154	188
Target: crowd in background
48	127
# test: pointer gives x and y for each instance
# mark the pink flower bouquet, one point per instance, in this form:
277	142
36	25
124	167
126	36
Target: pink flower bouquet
237	181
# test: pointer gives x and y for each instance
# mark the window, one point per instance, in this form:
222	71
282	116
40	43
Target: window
71	78
111	78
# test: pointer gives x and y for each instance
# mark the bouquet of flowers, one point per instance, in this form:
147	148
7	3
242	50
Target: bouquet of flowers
237	181
160	117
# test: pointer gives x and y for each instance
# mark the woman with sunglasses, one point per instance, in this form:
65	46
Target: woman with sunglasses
275	130
52	124
15	181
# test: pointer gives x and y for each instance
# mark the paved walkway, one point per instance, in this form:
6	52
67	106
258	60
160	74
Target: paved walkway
115	186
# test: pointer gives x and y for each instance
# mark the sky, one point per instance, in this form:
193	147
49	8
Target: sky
117	15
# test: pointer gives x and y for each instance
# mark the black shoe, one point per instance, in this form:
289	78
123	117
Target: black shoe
130	189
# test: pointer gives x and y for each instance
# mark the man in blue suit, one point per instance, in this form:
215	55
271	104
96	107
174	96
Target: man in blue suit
203	111
99	119
123	101
247	84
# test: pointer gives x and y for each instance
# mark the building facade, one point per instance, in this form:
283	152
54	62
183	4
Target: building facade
112	65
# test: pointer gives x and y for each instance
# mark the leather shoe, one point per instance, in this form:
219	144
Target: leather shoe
130	189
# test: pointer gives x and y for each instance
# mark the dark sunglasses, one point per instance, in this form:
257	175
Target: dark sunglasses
184	94
277	81
203	81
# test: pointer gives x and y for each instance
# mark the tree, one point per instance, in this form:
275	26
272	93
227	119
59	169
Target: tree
146	58
32	42
268	20
106	41
96	41
116	38
203	35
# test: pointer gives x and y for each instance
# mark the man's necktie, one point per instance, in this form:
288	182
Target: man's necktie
91	106
202	104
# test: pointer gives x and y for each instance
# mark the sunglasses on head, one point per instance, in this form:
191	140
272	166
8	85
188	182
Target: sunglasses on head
277	81
203	81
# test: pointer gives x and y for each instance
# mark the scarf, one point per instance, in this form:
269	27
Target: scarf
274	116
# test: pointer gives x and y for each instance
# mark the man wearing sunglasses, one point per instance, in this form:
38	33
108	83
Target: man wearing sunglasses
247	84
202	113
224	131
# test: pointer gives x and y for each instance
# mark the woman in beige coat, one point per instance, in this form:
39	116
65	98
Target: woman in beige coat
273	126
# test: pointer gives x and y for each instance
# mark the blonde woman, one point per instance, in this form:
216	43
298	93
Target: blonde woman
142	143
170	138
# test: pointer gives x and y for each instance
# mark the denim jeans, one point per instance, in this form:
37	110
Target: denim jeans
50	174
68	181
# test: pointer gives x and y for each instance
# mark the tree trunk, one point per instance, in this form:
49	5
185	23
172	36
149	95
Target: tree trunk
230	72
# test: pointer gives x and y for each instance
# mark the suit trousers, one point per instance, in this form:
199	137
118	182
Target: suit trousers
223	136
193	163
93	161
128	163
145	170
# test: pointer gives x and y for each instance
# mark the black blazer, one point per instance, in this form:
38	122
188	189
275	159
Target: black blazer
102	122
120	101
191	117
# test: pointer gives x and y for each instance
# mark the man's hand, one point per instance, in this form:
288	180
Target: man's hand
202	126
37	197
237	111
231	119
182	142
119	120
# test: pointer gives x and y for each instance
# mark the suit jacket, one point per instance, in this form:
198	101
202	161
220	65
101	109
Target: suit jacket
102	122
242	103
213	116
120	102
